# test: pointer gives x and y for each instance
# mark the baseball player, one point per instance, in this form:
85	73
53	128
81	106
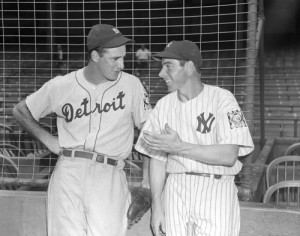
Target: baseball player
97	108
194	137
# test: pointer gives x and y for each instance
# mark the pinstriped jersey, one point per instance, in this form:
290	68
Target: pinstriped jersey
96	118
213	117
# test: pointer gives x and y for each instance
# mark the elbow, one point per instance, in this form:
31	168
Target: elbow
17	110
230	162
231	157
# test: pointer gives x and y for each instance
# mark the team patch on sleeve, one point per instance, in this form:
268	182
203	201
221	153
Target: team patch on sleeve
236	119
147	105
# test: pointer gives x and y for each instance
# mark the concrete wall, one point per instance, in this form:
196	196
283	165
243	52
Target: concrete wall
23	213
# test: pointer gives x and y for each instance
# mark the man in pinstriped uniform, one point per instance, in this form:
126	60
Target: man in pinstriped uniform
194	137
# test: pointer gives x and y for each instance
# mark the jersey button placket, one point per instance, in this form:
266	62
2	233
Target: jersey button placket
95	120
94	126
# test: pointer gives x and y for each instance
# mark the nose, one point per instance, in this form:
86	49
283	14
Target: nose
162	73
121	63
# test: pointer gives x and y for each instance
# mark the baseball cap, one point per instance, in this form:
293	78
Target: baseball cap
106	36
181	50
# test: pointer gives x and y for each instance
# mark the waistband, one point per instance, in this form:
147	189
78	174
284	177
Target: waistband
216	176
90	155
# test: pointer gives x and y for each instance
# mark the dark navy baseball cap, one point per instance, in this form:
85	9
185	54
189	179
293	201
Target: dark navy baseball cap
181	50
106	36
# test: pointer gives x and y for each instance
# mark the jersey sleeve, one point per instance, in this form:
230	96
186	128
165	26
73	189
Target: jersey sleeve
141	105
232	126
39	102
151	125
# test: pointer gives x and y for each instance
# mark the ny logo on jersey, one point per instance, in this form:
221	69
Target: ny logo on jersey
204	125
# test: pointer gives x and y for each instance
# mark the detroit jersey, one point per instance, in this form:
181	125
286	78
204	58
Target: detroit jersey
213	117
94	118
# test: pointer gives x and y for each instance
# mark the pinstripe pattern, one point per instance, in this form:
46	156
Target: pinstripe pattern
213	117
182	117
210	203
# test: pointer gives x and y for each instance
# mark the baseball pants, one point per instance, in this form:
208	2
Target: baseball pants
210	204
87	198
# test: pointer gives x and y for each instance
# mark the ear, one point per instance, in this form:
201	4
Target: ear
95	56
189	67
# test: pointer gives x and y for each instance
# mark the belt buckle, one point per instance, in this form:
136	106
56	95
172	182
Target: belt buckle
100	158
217	176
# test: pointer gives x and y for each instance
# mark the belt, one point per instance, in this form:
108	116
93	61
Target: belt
204	174
89	155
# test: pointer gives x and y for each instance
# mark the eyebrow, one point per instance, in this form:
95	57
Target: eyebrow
116	57
167	62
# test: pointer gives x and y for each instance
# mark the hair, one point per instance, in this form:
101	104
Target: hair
100	51
183	62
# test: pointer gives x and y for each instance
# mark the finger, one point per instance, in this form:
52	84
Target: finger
147	132
145	184
150	143
154	139
168	128
155	230
163	227
150	136
148	139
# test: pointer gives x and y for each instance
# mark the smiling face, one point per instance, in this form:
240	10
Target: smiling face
173	73
111	62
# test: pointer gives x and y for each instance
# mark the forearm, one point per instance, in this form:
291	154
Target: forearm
146	162
145	181
169	141
157	179
218	154
27	121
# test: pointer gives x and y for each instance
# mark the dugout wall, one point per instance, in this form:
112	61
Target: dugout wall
45	38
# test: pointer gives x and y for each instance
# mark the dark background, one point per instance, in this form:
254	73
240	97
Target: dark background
66	22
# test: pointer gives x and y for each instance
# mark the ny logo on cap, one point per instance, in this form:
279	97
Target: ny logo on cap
116	30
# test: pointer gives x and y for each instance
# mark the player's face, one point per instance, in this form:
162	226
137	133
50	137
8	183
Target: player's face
111	63
173	74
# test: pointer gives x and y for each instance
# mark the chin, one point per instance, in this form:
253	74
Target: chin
171	89
113	78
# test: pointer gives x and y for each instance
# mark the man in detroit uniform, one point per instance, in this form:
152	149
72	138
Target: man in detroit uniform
194	136
97	108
